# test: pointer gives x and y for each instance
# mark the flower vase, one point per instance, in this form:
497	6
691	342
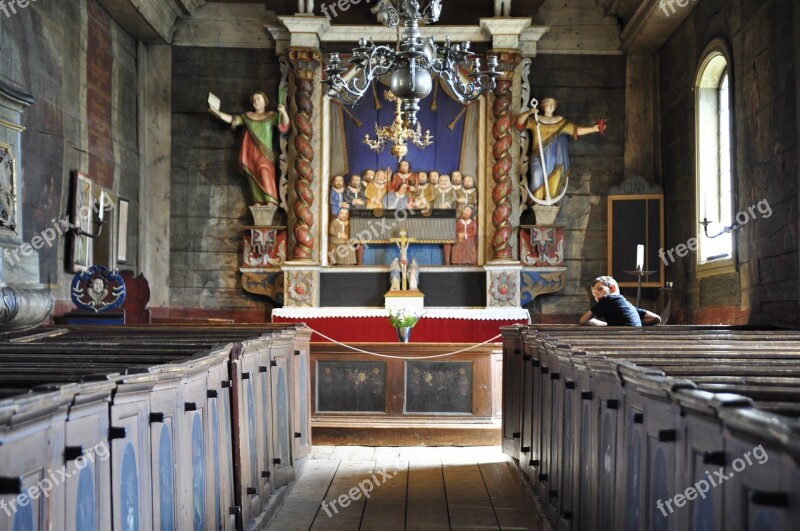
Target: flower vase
403	333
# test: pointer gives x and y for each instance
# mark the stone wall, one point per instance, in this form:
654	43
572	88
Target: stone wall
764	289
209	195
587	87
45	54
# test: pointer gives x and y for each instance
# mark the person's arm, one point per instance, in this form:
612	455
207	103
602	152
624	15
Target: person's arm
649	318
588	319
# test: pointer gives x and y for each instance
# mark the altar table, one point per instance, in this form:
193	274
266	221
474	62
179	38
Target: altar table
438	325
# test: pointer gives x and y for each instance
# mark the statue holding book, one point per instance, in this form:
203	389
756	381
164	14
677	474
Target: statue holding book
256	158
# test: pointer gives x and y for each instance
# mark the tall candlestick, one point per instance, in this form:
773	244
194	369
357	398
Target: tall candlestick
640	257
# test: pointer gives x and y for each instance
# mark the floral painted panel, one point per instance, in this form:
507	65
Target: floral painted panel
352	386
439	387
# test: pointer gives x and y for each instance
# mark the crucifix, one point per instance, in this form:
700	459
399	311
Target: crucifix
402	243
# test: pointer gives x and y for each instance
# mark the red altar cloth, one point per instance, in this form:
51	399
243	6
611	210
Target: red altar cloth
434	327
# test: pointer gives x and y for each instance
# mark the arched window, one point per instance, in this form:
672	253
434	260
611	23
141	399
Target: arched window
714	148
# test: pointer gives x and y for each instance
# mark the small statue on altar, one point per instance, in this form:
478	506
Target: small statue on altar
376	191
403	175
336	199
465	250
394	275
354	194
305	6
402	244
502	8
467	196
344	251
413	275
445	195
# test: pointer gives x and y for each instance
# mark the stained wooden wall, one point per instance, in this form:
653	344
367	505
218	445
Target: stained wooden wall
765	287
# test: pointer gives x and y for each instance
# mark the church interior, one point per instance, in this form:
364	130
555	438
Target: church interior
298	264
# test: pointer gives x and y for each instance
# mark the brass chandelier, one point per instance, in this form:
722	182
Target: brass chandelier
411	62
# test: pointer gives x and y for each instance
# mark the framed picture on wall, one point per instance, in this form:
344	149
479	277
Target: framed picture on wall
633	220
8	193
81	219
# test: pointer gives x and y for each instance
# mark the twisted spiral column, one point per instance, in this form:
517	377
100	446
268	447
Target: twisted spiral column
304	63
501	193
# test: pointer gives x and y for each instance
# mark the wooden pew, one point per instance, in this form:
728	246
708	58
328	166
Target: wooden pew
176	396
584	461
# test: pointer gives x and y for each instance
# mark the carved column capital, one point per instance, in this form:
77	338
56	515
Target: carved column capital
305	61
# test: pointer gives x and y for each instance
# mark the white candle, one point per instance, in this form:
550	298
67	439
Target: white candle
639	257
101	205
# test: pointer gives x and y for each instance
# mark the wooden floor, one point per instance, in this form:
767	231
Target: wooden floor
409	489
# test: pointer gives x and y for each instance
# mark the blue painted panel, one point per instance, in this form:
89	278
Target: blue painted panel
383	254
283	419
251	426
444	155
702	507
129	490
86	502
634	478
566	465
23	518
166	479
606	468
586	466
217	470
303	398
659	487
198	473
266	413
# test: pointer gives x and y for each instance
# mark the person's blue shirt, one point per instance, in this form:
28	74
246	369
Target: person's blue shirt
615	310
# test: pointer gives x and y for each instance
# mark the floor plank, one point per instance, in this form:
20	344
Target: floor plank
406	489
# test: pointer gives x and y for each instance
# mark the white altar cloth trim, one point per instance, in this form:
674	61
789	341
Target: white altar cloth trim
474	314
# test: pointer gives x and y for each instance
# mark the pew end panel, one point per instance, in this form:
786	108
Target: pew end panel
301	370
87	428
129	434
166	410
281	356
514	371
762	489
32	440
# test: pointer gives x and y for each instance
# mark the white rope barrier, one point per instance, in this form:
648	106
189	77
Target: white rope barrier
403	357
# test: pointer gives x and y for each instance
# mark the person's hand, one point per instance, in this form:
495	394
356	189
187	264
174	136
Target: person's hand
281	108
601	126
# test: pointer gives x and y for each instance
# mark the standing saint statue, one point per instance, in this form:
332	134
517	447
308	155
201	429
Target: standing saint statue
549	140
256	157
394	275
413	275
